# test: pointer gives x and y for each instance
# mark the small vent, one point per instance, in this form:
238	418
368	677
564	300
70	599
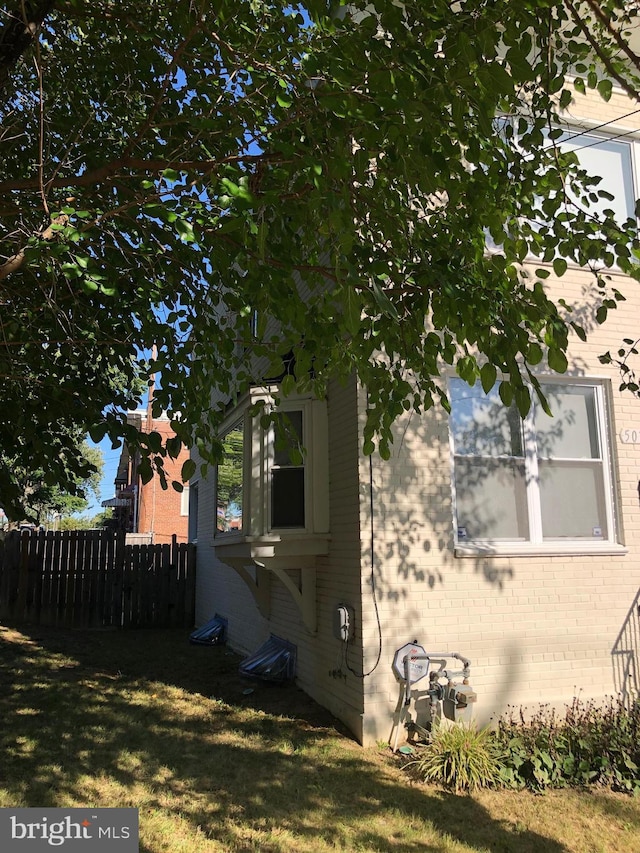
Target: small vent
275	660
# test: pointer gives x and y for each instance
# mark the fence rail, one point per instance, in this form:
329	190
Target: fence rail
90	579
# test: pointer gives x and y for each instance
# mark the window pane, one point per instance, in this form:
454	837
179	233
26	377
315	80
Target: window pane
229	481
572	432
288	437
572	498
287	473
287	497
610	160
481	424
491	499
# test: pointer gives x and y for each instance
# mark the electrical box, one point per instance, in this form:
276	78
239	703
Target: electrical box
458	702
343	624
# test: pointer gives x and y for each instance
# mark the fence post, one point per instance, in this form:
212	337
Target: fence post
190	581
23	577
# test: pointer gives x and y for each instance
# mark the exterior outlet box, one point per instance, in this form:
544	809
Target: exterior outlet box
343	623
458	702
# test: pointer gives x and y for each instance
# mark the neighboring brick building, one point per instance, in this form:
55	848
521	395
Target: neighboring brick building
146	511
514	544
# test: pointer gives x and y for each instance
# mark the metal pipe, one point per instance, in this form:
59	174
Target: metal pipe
439	657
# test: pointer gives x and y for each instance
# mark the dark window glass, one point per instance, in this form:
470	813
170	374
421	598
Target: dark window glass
287	497
287	473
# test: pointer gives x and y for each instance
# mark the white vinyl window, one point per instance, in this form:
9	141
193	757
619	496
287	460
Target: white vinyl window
287	472
542	481
230	480
612	161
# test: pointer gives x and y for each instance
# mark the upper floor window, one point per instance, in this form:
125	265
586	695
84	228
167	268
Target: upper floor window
542	481
611	160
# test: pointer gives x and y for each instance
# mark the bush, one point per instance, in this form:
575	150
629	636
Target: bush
591	744
459	757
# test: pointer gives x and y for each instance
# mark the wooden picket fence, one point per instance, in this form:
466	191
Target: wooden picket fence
92	579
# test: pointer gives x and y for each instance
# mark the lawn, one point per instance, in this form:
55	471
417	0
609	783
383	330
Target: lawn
143	719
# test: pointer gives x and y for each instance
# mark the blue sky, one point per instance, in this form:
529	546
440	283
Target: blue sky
111	458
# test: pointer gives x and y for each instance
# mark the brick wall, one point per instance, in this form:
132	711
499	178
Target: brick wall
160	510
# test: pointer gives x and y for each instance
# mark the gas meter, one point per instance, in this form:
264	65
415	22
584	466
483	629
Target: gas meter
454	699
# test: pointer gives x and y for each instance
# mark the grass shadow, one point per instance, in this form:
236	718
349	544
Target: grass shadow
136	719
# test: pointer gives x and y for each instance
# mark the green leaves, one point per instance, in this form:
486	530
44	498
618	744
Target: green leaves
488	374
351	309
188	470
605	89
292	199
557	360
589	744
559	266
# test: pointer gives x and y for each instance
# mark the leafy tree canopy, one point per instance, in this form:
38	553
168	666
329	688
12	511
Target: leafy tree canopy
173	171
102	520
38	498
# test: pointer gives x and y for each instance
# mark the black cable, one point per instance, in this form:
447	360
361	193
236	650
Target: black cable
373	586
600	126
600	141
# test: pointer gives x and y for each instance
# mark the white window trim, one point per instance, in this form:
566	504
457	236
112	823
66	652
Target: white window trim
184	501
535	546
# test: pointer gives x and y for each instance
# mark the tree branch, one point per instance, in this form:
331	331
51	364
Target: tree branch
15	261
19	32
628	88
143	167
615	35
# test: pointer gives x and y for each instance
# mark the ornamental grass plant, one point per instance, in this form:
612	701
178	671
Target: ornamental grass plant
461	757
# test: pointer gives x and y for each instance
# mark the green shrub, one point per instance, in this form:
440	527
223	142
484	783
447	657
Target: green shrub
592	744
459	757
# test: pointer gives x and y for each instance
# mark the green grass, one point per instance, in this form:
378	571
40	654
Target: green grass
143	719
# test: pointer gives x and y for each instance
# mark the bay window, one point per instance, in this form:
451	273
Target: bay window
273	482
